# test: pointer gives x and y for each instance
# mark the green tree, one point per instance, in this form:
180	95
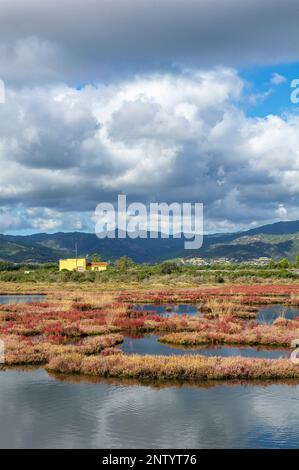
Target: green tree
168	267
96	258
284	263
124	263
272	264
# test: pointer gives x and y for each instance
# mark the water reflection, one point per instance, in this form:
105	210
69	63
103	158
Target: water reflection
38	411
149	344
168	309
21	299
269	313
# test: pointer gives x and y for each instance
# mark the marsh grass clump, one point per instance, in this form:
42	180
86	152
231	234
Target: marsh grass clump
98	299
263	335
93	329
96	344
81	332
175	367
23	351
218	308
111	352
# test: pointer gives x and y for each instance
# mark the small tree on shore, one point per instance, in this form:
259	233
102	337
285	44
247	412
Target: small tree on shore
284	263
95	258
124	263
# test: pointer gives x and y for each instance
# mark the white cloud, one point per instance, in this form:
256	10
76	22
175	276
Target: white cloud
277	79
163	137
281	211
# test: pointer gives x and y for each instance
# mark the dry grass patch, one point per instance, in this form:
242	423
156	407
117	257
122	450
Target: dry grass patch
175	367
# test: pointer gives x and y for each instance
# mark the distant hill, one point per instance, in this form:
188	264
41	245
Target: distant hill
43	247
275	240
278	240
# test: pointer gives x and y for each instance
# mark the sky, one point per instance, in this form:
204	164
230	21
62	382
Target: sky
161	100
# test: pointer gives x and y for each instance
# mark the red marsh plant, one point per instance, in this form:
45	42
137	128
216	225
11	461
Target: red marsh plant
137	324
95	329
98	319
253	293
53	329
96	344
23	352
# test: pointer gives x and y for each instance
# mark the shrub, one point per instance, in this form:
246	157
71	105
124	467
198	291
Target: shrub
169	267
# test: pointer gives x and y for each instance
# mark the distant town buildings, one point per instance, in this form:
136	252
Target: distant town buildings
262	261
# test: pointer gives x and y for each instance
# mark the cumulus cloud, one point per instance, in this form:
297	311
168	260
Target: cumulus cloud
14	218
156	137
111	96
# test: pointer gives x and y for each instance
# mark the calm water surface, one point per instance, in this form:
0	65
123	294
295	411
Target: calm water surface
38	411
269	313
149	344
168	309
18	299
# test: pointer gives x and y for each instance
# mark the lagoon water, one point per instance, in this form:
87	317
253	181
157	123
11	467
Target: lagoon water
168	309
267	314
149	344
42	411
18	299
39	411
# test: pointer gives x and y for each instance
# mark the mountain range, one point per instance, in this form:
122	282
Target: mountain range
276	241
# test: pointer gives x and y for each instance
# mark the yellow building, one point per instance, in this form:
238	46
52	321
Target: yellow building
73	264
99	266
81	265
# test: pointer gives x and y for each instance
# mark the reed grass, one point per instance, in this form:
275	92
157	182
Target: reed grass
175	367
262	336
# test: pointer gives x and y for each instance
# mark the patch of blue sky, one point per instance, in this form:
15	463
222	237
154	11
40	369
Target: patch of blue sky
269	89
